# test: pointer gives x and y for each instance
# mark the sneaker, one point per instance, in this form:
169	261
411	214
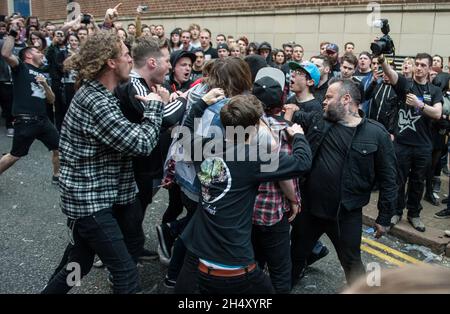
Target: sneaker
169	283
110	281
162	259
165	239
447	233
147	256
445	213
55	180
417	223
436	184
395	219
98	263
429	197
10	132
297	275
315	257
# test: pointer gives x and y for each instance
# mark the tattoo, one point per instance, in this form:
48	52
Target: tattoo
344	123
354	114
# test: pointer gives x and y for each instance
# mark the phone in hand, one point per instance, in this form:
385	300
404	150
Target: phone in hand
380	71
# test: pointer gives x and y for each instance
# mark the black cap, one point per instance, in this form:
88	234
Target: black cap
256	63
268	87
264	45
223	46
177	55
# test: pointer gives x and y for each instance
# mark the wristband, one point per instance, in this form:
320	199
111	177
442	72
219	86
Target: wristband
13	33
422	107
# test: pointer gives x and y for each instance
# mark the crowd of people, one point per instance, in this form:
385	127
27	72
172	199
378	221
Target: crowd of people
120	108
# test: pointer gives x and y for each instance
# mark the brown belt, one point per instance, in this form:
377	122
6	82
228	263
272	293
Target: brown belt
226	272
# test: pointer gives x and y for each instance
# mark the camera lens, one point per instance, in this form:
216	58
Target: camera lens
377	47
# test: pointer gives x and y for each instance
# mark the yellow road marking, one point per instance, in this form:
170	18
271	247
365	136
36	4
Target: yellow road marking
391	251
382	256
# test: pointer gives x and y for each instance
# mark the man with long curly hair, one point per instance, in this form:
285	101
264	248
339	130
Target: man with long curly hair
96	181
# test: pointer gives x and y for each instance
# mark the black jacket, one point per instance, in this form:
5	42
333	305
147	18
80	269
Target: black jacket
384	104
132	109
371	158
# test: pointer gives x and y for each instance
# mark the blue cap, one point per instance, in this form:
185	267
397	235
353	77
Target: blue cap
333	48
309	68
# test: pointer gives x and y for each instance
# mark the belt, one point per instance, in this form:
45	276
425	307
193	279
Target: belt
226	272
28	117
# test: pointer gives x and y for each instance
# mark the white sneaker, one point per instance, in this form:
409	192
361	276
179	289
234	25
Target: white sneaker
10	132
98	263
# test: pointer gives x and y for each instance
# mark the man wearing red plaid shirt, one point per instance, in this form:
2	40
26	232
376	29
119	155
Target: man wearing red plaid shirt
277	203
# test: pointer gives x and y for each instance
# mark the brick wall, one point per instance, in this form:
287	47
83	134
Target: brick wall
55	9
3	7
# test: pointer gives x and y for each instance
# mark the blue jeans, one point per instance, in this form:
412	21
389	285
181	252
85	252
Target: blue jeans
97	234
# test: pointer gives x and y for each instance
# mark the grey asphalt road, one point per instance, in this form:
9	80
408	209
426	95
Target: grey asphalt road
33	236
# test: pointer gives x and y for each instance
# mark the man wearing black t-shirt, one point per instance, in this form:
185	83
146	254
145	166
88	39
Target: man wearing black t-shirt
304	78
30	95
349	152
205	42
324	66
421	102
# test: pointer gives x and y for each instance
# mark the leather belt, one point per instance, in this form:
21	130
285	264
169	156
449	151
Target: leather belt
225	272
28	117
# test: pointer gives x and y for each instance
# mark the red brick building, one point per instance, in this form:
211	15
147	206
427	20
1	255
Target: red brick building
416	25
55	9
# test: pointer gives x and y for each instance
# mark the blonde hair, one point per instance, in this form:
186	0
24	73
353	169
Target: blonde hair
90	62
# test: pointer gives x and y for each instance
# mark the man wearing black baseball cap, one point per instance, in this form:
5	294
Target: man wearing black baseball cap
223	51
332	52
276	204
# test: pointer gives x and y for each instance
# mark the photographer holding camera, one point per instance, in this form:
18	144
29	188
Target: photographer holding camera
420	103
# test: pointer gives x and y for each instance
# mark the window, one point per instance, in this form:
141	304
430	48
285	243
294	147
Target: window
22	6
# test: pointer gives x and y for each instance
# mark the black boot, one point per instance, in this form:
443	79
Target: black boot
436	184
429	197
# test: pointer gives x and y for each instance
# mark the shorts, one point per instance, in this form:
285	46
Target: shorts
28	130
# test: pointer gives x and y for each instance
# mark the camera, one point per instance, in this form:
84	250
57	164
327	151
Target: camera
384	45
86	19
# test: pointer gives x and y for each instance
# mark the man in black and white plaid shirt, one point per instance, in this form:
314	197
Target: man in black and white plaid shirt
96	180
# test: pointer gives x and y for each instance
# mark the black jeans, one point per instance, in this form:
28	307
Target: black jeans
6	101
413	164
144	183
254	282
345	236
187	281
271	245
175	207
179	249
98	234
60	104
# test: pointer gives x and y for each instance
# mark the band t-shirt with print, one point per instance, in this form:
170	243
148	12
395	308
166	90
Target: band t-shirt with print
29	95
413	126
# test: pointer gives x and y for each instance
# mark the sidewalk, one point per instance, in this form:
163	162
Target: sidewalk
433	237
